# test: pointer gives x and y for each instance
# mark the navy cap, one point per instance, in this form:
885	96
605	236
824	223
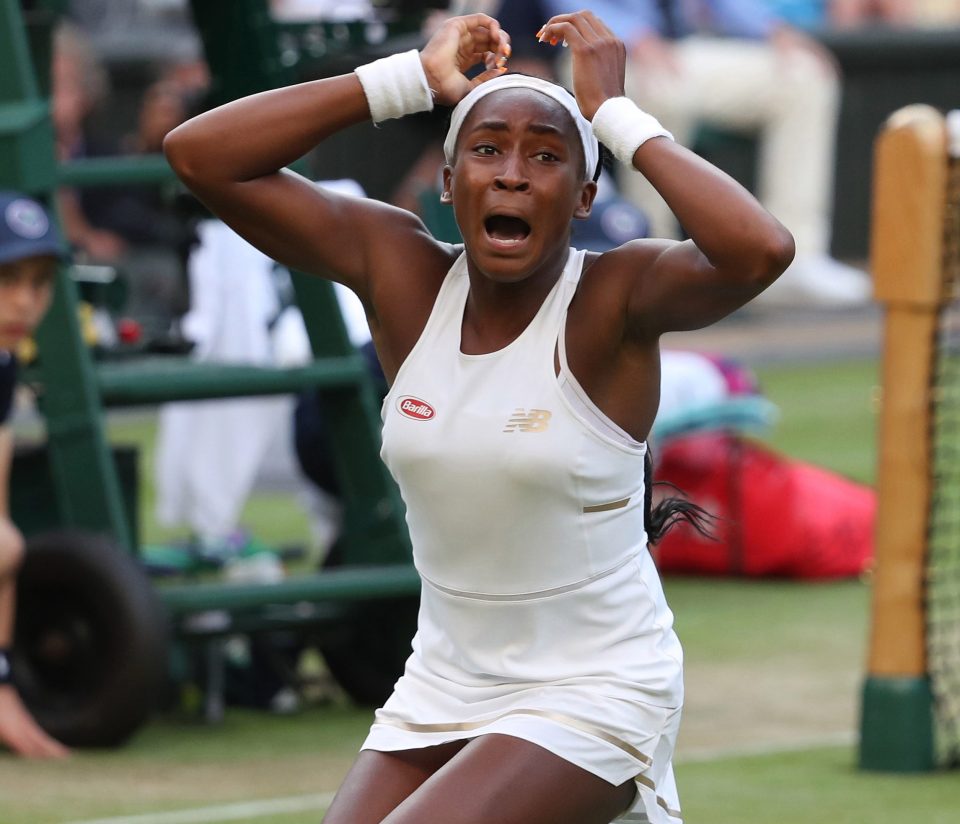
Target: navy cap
611	223
26	229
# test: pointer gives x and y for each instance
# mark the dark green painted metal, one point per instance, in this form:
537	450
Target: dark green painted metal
241	43
17	79
26	132
344	584
39	22
35	504
84	477
58	7
116	171
372	504
158	380
26	146
896	725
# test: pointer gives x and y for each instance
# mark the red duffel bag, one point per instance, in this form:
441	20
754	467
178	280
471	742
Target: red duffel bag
776	516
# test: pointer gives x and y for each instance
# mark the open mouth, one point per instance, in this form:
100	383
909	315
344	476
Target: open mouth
506	229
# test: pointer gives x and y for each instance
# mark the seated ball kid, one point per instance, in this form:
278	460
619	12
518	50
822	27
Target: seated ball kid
30	246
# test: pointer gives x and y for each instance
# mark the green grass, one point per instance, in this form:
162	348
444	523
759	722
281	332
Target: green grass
819	785
788	650
274	518
828	414
814	785
770	665
176	763
827	418
723	621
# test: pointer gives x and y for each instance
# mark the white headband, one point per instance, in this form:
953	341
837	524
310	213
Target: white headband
591	149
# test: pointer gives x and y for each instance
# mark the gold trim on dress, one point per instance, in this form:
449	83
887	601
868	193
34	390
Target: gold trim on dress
672	813
528	596
607	507
648	783
566	720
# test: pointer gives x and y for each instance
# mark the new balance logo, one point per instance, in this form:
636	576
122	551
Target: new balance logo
528	420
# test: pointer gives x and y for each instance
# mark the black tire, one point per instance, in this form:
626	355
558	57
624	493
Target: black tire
367	653
91	649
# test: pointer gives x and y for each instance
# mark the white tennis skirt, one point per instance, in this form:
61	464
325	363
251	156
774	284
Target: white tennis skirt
591	672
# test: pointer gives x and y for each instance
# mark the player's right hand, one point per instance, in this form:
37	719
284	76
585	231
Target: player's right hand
456	47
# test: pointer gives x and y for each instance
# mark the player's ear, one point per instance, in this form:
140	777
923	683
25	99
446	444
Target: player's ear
446	195
587	195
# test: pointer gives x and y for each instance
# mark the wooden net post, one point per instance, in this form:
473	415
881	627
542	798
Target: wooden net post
909	203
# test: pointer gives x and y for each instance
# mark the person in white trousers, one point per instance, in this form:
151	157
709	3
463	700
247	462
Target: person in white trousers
734	65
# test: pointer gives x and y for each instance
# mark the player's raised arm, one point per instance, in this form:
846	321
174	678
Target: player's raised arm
736	247
234	157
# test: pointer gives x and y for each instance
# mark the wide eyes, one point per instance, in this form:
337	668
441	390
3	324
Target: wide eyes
489	150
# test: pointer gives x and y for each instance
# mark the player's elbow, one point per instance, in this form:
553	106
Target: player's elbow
775	253
181	152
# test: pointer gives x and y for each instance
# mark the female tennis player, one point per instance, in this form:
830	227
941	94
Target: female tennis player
545	683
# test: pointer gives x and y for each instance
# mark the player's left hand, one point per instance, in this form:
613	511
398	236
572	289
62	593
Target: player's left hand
599	57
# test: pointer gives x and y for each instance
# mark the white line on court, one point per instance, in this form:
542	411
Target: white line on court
698	755
320	801
224	812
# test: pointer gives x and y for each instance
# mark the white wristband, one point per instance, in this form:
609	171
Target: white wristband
395	86
623	127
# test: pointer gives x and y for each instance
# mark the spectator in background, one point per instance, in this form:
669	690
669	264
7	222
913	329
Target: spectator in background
141	214
134	228
80	84
29	248
735	65
311	10
103	222
842	14
805	14
853	13
523	19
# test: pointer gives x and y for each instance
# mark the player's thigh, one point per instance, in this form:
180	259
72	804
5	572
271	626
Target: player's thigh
498	778
379	781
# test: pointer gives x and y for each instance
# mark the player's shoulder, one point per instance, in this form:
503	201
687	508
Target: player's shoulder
625	262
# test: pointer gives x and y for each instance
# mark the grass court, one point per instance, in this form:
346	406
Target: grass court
773	676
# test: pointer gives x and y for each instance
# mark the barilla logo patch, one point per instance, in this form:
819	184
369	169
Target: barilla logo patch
416	409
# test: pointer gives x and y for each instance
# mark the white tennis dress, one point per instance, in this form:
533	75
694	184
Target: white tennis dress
542	615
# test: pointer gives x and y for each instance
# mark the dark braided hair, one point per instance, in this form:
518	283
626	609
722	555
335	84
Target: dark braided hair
659	519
